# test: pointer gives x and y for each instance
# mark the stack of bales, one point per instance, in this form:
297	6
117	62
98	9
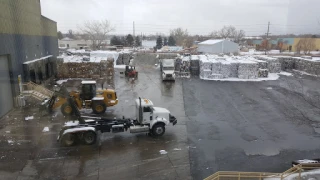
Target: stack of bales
205	68
273	64
287	62
124	58
229	68
248	69
307	65
215	69
263	67
194	65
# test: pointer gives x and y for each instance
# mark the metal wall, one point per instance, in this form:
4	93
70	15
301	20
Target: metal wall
6	100
25	35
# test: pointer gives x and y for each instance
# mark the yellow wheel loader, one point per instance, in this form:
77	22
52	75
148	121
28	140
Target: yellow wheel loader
89	97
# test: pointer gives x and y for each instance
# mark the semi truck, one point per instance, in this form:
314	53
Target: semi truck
167	69
149	119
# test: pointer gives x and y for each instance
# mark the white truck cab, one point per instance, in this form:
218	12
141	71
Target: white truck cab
167	69
155	117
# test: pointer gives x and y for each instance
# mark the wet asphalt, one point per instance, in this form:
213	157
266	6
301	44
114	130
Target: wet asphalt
251	126
236	126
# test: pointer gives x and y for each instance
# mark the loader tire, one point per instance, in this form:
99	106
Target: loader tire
67	110
98	107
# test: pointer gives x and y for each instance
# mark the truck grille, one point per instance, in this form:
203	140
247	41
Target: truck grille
169	75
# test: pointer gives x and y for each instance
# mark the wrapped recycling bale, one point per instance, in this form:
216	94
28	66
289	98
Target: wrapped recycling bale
274	67
205	73
263	73
287	63
216	76
215	67
248	70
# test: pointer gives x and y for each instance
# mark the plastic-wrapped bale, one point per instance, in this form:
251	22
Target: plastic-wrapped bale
216	76
263	73
205	74
287	63
274	67
205	65
215	67
120	59
248	70
229	69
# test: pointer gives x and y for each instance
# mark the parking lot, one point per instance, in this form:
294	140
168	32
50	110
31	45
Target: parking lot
238	126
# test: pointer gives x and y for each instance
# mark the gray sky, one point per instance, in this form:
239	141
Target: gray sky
198	16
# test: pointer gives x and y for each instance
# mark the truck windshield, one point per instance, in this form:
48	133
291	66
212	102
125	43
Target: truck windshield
168	68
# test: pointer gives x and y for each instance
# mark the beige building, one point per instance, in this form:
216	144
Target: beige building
68	43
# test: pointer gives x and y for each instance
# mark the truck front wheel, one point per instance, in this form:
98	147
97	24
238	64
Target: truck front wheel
98	107
68	139
66	109
158	129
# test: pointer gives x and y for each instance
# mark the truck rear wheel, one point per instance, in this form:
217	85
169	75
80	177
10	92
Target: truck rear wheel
68	139
98	107
66	109
158	129
89	137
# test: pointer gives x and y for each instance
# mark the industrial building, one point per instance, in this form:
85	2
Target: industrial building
217	46
28	48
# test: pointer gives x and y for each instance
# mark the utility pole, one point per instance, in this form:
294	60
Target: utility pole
267	39
134	37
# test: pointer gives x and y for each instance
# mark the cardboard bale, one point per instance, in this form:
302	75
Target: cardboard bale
205	74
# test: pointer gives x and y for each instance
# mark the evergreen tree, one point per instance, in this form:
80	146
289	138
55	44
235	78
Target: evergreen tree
165	41
159	42
129	40
115	41
171	41
60	36
138	41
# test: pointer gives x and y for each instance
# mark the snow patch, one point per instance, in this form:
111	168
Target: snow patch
28	118
305	73
10	141
177	149
269	87
285	73
295	175
45	129
271	77
163	152
71	123
61	81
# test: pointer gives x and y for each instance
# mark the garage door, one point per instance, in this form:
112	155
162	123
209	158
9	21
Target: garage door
6	99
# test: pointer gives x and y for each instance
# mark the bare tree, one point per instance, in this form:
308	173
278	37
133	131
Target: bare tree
228	32
97	31
179	35
306	45
188	42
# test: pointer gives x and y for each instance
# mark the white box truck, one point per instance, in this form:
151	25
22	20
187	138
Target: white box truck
167	69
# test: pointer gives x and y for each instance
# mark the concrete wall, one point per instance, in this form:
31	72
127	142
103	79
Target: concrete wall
25	35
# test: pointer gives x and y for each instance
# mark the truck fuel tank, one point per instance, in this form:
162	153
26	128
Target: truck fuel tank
139	129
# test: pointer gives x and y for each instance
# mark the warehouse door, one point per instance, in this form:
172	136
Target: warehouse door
6	99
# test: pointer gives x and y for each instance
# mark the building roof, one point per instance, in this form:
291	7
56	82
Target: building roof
212	41
67	39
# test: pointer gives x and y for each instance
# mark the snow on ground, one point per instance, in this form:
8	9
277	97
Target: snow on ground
71	123
285	73
304	175
305	73
61	81
28	118
271	77
45	129
163	152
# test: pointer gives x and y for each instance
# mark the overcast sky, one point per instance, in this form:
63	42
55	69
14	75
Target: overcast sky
198	16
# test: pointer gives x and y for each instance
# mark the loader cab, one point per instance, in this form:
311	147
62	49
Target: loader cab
146	108
88	90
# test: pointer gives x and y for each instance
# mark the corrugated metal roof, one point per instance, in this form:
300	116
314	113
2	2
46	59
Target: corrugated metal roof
212	41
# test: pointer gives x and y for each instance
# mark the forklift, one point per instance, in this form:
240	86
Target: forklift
131	72
85	129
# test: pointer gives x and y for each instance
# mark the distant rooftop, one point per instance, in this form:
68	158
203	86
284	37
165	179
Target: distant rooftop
212	41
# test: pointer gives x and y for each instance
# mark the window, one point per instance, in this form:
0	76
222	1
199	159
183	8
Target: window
147	109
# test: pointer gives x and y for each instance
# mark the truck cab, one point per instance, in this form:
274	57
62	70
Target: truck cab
167	69
155	117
